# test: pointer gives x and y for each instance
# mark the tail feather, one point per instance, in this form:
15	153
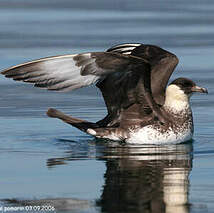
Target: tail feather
76	122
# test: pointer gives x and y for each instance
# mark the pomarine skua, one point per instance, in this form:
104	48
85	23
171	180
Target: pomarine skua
133	79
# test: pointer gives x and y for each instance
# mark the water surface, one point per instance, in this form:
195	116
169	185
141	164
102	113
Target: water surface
46	162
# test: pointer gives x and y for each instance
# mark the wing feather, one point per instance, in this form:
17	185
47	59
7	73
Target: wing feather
124	48
54	73
68	72
121	73
162	64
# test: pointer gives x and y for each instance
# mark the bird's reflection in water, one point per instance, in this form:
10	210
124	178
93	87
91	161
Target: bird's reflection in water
151	179
147	179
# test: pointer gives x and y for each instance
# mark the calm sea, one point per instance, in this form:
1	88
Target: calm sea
47	166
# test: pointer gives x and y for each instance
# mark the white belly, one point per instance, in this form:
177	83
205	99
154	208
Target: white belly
150	135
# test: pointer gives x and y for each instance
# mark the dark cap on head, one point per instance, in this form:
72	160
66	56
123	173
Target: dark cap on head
188	86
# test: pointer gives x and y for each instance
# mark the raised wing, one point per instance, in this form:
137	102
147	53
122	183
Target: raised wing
68	72
58	73
117	74
162	64
123	79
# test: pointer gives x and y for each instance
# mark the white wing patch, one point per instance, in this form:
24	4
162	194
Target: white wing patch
127	44
124	48
53	73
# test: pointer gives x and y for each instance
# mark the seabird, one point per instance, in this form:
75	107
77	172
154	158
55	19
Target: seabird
133	79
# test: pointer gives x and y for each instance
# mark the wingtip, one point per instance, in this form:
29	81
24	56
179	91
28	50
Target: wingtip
3	72
7	71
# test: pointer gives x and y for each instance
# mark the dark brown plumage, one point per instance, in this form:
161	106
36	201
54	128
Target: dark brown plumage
131	77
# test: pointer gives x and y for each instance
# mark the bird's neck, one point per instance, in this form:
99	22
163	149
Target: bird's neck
176	100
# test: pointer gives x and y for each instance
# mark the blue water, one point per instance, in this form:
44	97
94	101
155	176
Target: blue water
46	162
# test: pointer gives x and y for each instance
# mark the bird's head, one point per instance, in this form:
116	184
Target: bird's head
187	86
180	90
